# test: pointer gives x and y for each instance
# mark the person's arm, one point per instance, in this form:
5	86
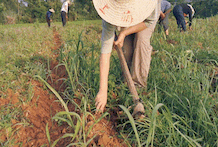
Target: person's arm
168	11
134	29
108	33
162	15
168	7
190	20
101	98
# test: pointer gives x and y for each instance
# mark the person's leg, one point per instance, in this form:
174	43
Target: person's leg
142	56
167	32
48	21
176	16
63	17
178	22
183	23
128	49
138	51
159	25
166	24
178	13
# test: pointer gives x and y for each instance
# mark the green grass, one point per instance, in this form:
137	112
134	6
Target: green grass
182	83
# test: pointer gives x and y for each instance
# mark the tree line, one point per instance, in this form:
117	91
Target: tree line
15	11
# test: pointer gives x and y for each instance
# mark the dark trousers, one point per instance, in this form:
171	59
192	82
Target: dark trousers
64	18
48	21
178	13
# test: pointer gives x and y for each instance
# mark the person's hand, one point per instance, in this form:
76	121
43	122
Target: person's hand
163	16
120	40
50	20
100	101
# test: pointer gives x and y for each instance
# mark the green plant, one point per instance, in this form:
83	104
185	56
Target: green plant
182	82
79	135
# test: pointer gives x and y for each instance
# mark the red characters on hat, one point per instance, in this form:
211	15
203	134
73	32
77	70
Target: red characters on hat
127	17
105	7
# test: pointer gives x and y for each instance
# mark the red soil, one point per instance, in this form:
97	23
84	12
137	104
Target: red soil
42	107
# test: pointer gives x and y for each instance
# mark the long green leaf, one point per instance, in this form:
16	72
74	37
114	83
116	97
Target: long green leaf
132	123
153	125
56	94
48	134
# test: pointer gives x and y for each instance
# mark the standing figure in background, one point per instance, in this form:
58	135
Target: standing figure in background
180	12
64	11
48	16
164	16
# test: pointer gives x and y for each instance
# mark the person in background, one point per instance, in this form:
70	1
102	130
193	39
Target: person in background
48	16
164	16
64	11
180	12
135	30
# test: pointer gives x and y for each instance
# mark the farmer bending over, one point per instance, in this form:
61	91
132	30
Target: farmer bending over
137	19
48	16
164	15
180	12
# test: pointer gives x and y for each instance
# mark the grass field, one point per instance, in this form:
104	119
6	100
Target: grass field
50	77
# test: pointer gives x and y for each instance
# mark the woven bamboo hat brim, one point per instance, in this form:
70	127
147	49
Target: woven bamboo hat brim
124	13
193	11
51	10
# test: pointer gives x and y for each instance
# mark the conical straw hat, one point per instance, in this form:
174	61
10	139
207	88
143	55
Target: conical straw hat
51	10
193	11
124	13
